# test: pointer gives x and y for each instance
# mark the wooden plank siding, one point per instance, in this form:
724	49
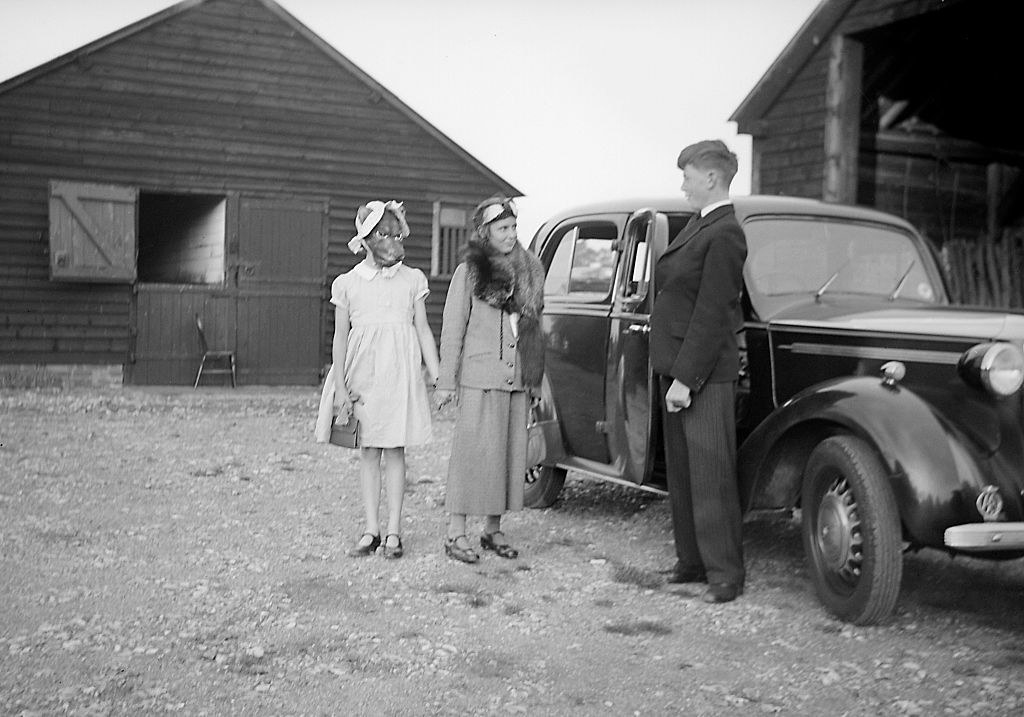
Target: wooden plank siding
789	139
223	97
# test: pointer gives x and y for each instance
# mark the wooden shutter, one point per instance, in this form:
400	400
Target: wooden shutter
92	232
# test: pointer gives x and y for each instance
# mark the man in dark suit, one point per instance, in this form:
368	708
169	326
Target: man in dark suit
698	281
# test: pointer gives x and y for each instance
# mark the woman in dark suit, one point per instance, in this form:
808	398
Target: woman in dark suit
696	314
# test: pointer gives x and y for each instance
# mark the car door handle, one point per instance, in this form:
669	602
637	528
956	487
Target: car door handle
641	329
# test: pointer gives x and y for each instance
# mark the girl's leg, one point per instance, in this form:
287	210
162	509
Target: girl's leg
394	479
369	481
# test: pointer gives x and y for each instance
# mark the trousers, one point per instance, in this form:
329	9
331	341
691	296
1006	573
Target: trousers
700	462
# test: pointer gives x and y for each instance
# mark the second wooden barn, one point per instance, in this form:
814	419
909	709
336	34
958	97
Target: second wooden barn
904	105
207	161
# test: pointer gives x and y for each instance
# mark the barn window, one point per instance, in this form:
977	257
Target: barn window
181	238
92	232
451	228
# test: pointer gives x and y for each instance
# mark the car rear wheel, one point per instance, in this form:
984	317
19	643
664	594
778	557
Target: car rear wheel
851	531
543	484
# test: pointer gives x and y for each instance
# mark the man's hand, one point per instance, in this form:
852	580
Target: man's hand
677	397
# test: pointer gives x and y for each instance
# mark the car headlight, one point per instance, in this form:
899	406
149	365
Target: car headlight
996	367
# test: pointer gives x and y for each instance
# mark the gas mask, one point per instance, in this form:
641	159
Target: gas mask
387	249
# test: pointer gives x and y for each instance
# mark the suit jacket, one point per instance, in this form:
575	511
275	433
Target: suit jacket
478	349
698	281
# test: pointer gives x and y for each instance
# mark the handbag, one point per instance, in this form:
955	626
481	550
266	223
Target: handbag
345	434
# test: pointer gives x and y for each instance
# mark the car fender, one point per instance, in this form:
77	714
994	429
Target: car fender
932	467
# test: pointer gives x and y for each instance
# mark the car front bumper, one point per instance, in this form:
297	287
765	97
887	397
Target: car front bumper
985	537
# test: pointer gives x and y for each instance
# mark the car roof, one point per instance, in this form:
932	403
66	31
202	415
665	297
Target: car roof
746	208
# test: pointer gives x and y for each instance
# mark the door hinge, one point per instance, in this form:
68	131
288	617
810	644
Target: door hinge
601	426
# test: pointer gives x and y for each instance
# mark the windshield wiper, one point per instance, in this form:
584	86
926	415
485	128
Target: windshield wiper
828	282
903	278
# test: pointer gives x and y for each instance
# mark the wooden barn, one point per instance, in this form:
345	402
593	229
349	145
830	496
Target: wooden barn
207	160
904	105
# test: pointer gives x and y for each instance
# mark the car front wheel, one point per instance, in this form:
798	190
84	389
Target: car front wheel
851	531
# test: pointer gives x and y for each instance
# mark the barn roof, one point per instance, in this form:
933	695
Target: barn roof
791	60
309	35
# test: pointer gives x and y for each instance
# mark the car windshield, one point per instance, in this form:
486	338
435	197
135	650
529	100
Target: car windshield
821	257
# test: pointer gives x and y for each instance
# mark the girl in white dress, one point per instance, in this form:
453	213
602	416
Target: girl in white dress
381	338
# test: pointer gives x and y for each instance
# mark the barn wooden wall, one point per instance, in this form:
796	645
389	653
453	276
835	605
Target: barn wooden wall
945	198
222	97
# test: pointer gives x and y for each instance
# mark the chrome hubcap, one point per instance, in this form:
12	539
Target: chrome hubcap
839	532
532	474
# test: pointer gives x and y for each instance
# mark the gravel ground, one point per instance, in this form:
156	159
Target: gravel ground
170	551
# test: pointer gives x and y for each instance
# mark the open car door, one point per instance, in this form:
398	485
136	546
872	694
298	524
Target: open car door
629	389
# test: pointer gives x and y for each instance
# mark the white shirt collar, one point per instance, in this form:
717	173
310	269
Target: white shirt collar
712	207
366	269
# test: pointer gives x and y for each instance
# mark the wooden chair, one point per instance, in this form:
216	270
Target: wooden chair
214	356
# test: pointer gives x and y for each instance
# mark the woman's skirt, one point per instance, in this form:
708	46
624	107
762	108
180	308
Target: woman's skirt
488	462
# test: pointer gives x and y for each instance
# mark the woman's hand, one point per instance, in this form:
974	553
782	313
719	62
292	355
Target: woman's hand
442	397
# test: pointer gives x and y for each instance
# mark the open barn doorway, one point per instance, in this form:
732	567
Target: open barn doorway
182	238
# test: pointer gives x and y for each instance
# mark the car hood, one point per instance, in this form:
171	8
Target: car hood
973	323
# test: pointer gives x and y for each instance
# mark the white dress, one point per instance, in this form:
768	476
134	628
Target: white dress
383	364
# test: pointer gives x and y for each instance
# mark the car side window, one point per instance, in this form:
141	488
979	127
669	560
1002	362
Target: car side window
583	266
639	272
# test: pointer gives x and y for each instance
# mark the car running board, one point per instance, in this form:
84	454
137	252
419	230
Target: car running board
592	470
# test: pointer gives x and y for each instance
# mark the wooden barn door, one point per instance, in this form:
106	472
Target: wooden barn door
268	310
282	247
166	342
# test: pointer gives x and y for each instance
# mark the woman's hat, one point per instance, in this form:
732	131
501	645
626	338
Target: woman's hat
493	209
369	215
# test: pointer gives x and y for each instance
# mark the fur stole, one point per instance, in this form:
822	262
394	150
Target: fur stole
513	282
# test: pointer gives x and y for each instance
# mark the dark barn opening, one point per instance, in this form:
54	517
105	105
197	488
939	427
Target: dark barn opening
181	238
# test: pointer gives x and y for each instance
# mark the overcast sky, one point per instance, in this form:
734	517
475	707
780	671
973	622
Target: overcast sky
569	100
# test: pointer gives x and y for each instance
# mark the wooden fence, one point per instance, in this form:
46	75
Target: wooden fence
988	271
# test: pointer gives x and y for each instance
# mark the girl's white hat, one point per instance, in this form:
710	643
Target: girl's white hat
369	215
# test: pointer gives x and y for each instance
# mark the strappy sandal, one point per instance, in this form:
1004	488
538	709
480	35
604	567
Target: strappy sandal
393	551
454	551
502	550
360	550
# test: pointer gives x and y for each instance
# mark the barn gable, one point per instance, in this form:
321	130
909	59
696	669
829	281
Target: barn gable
245	138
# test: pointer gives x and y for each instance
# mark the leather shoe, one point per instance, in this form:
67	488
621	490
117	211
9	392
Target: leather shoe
680	574
456	552
503	548
393	551
721	592
361	551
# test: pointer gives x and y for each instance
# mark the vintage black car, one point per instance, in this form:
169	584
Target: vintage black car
882	416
